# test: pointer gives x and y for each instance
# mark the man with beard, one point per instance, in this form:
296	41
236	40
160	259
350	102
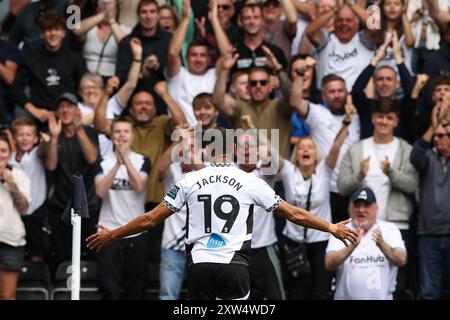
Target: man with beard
151	138
366	270
265	113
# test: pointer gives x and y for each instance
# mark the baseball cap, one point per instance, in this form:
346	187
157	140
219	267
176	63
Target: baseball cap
68	97
364	193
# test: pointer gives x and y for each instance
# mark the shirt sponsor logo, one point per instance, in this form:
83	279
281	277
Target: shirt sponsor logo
173	192
216	241
121	184
342	57
367	259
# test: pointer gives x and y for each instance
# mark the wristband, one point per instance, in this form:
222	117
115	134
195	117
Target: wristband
346	122
137	60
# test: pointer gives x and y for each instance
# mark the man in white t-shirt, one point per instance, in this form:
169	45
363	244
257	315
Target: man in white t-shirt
185	83
345	51
324	123
219	201
381	162
121	183
367	270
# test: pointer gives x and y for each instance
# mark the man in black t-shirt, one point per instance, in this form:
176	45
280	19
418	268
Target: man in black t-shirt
250	45
73	149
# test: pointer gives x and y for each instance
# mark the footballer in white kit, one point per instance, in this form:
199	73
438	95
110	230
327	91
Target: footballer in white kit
219	201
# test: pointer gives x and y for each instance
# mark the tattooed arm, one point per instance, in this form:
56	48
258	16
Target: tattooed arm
19	200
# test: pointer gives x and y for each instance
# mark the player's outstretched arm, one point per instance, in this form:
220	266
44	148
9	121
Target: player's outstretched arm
144	222
307	219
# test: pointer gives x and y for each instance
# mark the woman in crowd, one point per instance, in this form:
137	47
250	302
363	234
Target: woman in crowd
168	19
14	200
395	20
307	185
101	35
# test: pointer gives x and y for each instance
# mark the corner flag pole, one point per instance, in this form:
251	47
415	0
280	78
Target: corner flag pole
76	253
76	209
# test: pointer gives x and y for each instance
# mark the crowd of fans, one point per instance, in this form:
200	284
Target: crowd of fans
356	107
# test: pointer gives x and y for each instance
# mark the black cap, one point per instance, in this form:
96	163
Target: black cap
68	97
365	194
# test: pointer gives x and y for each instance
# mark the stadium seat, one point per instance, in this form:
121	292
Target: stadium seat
34	282
88	281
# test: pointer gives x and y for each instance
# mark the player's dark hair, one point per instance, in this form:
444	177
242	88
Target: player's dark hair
227	137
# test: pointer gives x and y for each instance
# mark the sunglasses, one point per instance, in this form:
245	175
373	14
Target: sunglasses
224	7
441	135
254	83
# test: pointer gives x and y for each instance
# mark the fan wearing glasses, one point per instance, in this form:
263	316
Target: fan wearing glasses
430	156
265	113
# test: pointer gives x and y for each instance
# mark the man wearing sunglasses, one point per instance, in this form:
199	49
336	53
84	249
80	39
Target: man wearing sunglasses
265	113
430	156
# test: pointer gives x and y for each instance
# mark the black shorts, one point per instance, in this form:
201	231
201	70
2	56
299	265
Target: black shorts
11	258
218	281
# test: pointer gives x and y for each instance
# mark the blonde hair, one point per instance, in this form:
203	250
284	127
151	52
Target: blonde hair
95	78
294	152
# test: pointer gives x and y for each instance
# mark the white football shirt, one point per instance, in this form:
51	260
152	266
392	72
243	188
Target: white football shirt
174	230
122	204
220	201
